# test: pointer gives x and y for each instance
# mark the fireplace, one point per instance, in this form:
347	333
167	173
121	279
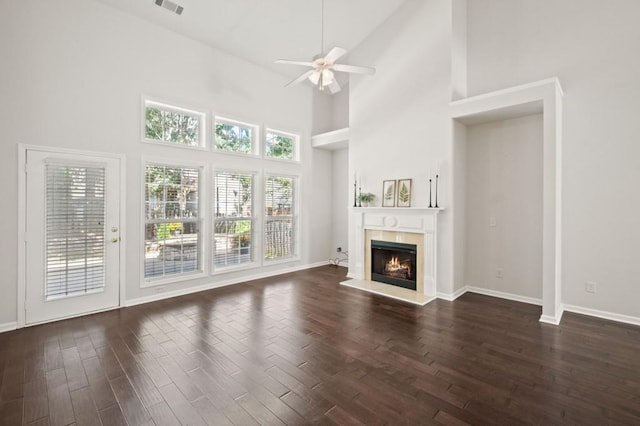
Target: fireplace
394	263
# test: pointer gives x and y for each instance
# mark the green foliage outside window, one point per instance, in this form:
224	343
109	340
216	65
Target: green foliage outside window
171	126
279	146
233	138
165	230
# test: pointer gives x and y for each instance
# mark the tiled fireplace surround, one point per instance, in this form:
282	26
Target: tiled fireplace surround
405	225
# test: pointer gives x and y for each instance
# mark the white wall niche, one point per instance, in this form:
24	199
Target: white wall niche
544	97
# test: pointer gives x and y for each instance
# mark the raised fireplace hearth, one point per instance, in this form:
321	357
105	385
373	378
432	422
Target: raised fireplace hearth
394	263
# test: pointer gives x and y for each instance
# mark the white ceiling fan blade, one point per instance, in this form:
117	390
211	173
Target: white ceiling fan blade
334	87
287	62
301	78
354	69
334	54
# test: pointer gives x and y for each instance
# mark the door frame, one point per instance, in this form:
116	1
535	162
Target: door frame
22	223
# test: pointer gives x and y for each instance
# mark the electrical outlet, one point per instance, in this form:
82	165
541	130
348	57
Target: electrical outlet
492	222
339	250
499	273
590	287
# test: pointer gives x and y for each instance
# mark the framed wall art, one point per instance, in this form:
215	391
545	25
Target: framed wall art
389	193
404	193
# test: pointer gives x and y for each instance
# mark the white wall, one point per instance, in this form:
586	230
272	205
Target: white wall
72	76
590	45
330	112
504	182
399	118
340	200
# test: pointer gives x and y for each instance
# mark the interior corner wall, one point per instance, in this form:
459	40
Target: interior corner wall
322	113
399	118
340	202
588	44
460	161
504	196
73	77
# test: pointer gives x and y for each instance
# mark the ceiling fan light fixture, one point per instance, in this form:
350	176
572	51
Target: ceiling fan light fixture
323	65
322	78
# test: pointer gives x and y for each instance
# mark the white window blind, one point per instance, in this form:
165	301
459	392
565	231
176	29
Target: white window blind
75	230
280	224
172	221
233	221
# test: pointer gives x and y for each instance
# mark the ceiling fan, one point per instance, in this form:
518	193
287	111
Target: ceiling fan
322	69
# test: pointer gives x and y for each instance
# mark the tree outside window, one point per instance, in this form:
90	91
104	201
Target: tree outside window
164	123
234	137
280	145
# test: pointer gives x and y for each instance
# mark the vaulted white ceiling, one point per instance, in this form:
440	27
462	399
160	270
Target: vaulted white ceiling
262	31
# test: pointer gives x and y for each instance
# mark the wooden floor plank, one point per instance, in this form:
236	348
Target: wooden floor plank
84	408
301	349
60	408
134	411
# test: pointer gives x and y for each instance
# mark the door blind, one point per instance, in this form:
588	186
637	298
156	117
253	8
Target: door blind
75	230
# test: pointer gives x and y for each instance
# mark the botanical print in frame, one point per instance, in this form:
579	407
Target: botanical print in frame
389	193
404	193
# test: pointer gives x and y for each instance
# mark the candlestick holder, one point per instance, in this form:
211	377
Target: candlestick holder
436	206
355	197
430	206
360	197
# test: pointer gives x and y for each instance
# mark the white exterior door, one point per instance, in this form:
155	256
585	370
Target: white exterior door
72	235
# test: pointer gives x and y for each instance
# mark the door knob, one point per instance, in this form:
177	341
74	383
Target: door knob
115	239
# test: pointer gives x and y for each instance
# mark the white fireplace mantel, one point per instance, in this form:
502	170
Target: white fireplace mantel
416	220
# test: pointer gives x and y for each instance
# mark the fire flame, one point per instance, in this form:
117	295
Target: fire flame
394	266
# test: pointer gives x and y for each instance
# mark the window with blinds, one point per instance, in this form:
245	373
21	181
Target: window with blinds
280	220
233	219
172	221
75	230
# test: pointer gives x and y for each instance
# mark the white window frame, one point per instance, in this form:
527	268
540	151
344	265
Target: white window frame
296	145
256	225
202	216
165	106
255	136
296	256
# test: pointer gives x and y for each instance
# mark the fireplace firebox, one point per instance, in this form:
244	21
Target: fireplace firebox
394	263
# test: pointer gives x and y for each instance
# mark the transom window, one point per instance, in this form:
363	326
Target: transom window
233	136
283	146
280	226
173	125
172	221
233	220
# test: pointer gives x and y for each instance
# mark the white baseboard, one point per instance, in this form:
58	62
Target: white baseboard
503	295
555	320
8	326
603	314
210	286
450	297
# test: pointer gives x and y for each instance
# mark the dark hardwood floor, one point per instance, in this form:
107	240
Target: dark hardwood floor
299	349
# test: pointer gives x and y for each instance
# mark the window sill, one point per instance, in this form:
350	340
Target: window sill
221	270
173	279
281	260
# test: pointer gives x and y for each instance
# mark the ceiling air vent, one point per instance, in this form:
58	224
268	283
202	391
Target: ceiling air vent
167	4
